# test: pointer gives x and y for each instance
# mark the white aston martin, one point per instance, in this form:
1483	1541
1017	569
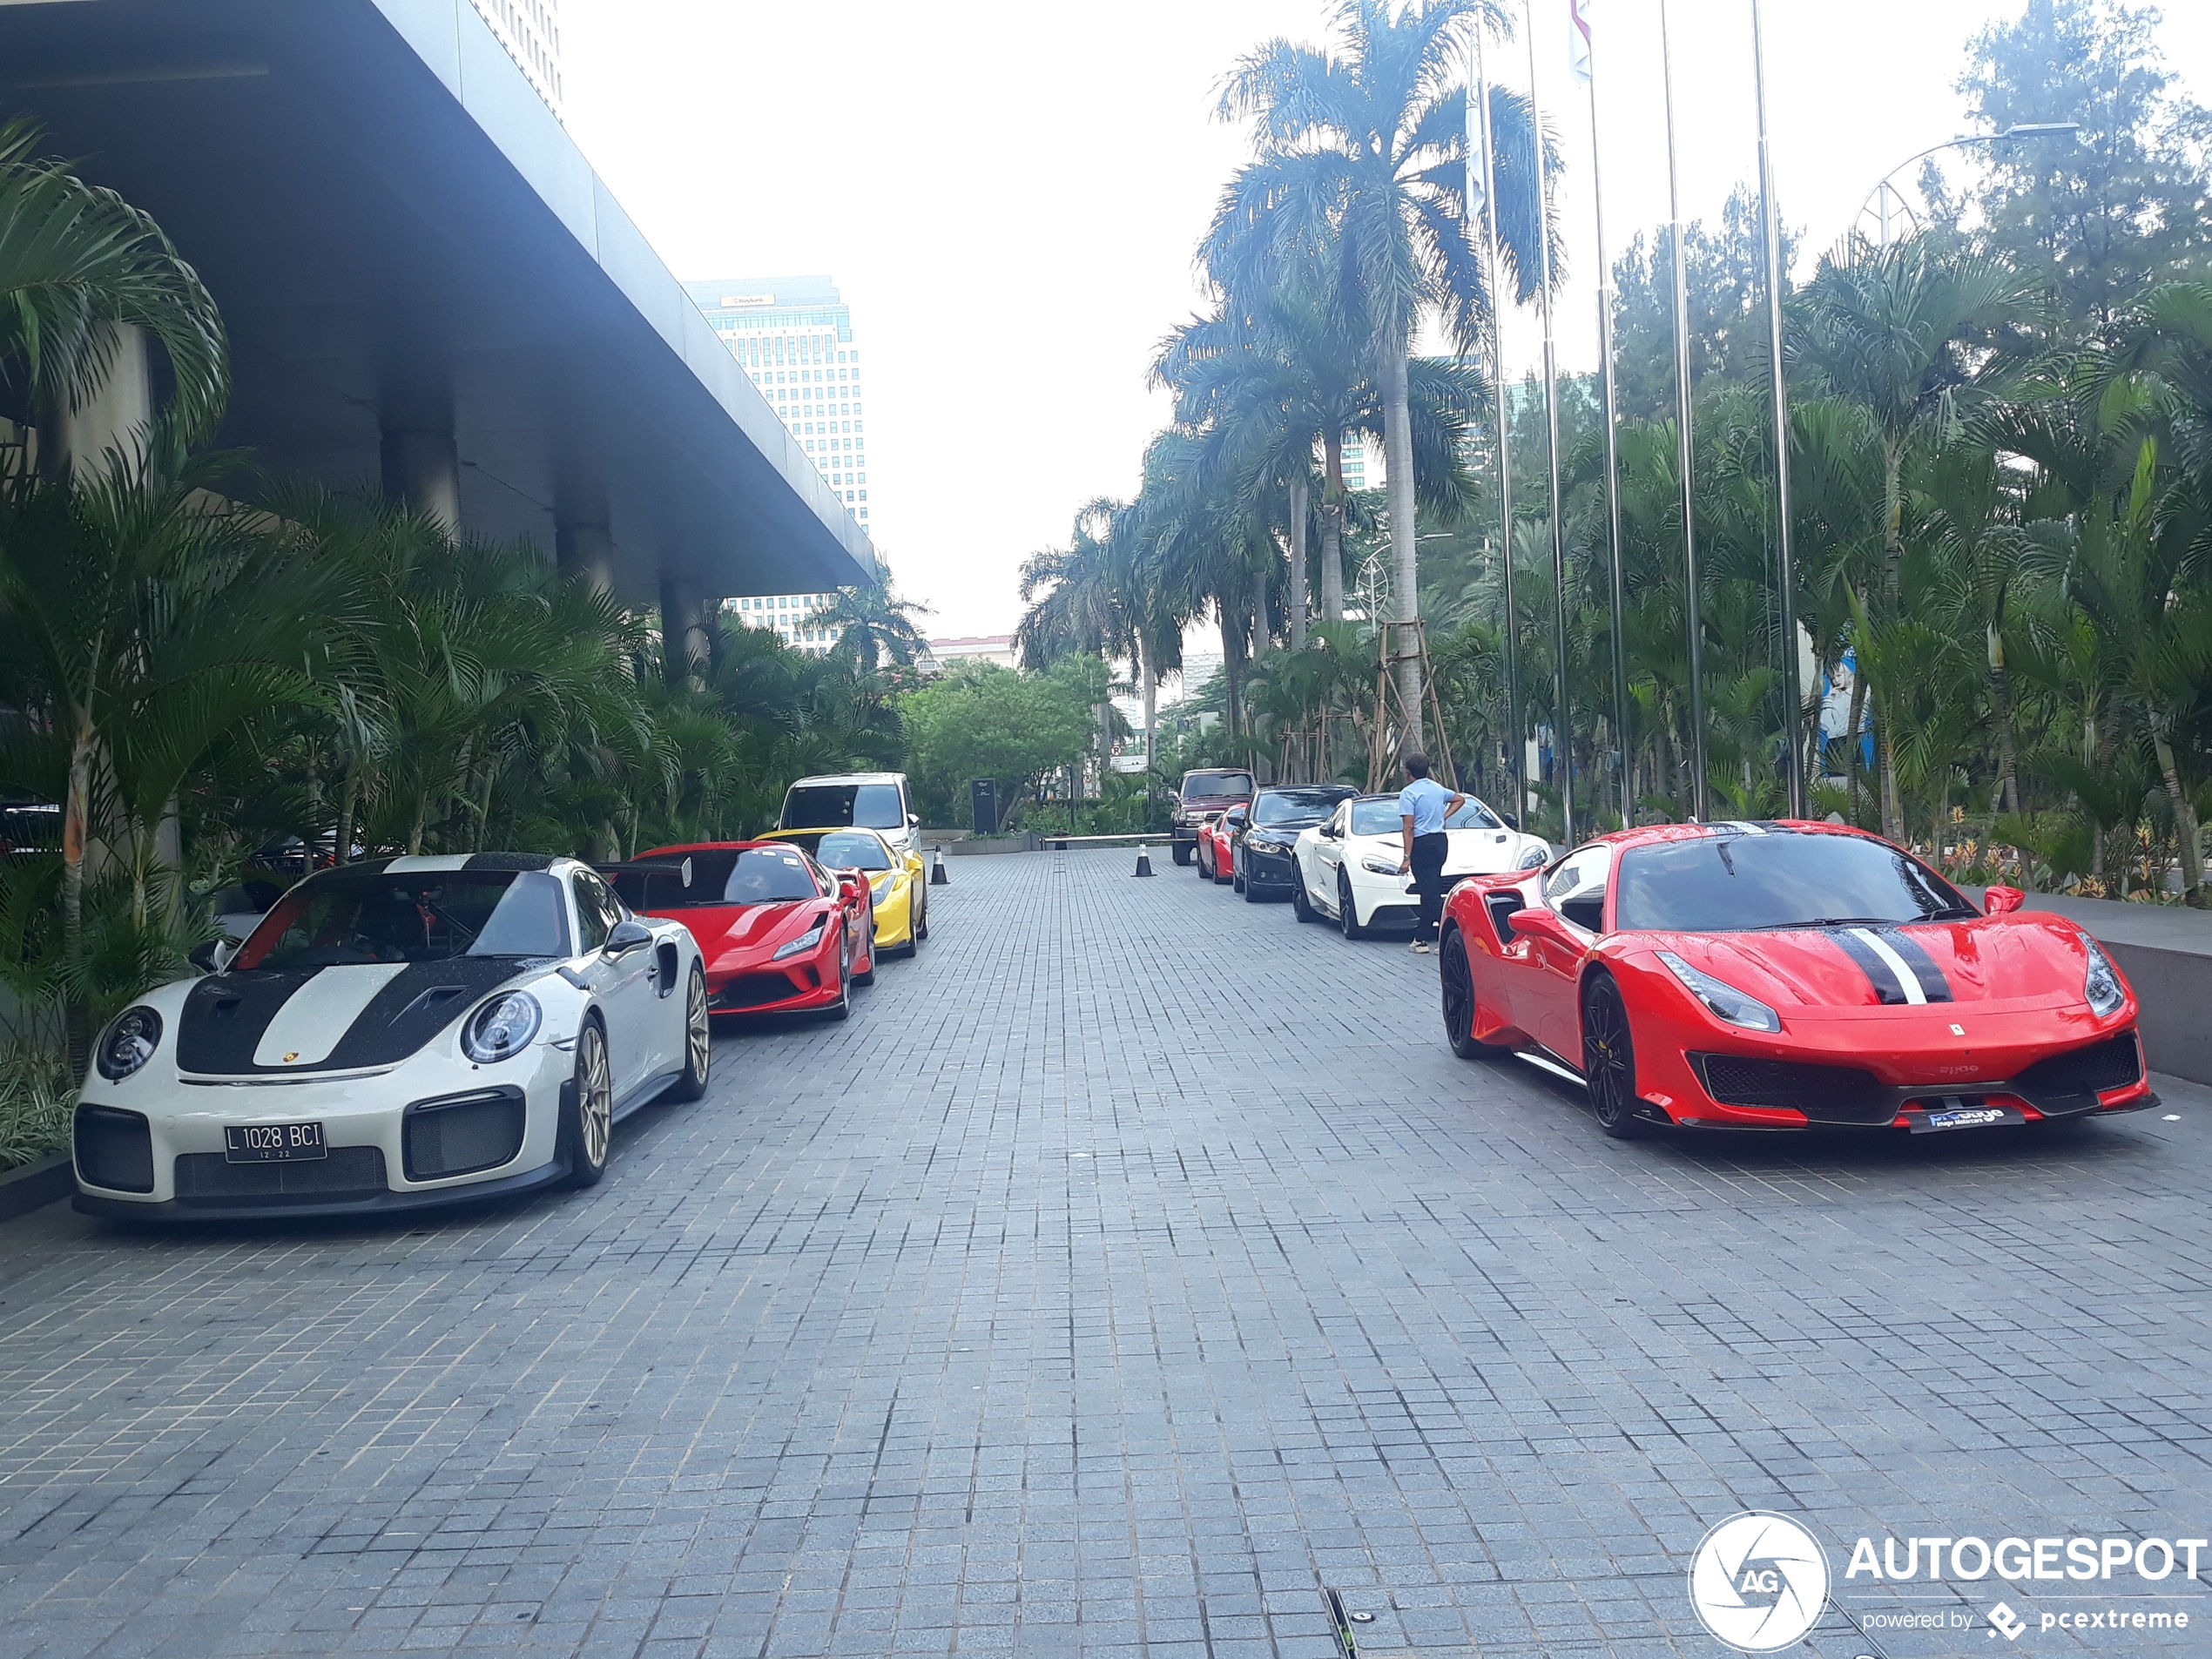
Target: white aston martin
1347	869
396	1034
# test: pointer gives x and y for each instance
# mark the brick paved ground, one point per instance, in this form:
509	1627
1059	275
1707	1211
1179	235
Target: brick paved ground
1110	1284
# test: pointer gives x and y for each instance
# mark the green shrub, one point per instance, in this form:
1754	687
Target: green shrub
37	1094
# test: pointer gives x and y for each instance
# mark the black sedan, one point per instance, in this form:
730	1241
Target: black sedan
1264	866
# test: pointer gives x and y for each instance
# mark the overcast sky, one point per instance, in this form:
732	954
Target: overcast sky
1008	194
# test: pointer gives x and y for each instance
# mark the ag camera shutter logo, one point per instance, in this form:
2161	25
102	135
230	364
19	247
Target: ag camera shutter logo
1759	1581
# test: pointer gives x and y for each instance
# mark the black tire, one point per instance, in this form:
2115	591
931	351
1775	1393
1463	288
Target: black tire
868	978
1184	852
1609	1061
1236	881
1457	972
1348	912
1301	904
699	1041
922	927
842	1008
588	1108
1250	896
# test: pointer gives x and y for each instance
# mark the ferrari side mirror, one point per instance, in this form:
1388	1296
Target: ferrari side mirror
2002	901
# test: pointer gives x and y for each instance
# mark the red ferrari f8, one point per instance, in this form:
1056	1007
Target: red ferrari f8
1782	976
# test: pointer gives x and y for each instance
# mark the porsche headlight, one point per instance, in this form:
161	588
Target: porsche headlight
1535	857
1725	1001
129	1043
501	1028
2100	986
805	942
1381	867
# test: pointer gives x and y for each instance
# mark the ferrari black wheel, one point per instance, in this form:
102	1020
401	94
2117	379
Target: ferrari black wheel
1347	912
842	1008
588	1112
698	1040
1301	906
1609	1061
1458	973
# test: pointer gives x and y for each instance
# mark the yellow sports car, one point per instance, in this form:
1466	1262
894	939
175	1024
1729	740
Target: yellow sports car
901	889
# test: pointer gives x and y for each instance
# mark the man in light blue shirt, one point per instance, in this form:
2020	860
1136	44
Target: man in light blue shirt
1423	805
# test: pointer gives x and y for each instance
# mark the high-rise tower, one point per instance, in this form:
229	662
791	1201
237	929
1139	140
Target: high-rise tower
530	30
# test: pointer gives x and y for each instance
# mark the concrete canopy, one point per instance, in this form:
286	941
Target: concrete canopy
404	240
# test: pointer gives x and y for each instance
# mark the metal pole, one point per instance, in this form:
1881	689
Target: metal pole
1786	573
1696	625
1516	751
1620	591
1562	715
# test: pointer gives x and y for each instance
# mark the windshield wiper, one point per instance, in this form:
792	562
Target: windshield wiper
1953	913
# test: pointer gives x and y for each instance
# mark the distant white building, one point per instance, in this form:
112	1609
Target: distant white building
972	648
790	616
530	30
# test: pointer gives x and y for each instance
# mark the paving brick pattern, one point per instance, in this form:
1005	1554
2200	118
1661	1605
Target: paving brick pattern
1134	1265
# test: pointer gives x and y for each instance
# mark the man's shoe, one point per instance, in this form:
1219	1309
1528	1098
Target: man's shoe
1419	947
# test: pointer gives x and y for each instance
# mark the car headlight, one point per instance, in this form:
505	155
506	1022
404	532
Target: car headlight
805	942
501	1028
1381	867
129	1043
879	886
1535	858
2100	984
1725	1001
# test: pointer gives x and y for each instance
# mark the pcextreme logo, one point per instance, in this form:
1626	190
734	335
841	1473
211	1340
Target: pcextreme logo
1759	1581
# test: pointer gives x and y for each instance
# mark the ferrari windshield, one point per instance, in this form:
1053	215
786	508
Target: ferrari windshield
1733	883
1285	808
719	876
835	805
431	916
852	850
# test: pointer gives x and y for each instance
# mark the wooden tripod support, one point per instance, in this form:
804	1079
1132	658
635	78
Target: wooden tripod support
1397	643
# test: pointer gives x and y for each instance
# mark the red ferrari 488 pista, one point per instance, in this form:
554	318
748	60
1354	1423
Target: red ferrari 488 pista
1781	975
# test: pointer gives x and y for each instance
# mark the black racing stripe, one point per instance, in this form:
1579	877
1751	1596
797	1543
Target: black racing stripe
1933	986
225	1016
1879	972
416	1005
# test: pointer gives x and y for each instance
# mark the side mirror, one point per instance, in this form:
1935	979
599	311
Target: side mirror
1511	822
213	956
2002	901
913	820
628	936
852	886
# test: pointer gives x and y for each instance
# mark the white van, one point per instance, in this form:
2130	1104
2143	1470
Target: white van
876	800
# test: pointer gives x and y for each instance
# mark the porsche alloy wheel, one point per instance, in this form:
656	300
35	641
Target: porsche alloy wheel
1347	912
699	1041
1301	907
1609	1061
589	1124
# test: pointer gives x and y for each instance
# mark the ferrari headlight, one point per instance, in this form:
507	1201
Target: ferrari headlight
805	942
1725	1001
2100	986
881	887
1381	867
129	1042
501	1028
1535	858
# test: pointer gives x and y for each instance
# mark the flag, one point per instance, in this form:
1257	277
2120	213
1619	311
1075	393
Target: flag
1578	39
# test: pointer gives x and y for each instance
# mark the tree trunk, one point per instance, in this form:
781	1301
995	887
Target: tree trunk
76	1023
351	798
1232	666
1147	687
2184	825
1332	525
1297	590
1405	546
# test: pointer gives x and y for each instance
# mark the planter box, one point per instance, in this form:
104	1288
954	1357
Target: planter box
34	1186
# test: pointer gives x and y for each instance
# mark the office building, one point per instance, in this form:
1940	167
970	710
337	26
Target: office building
791	618
530	30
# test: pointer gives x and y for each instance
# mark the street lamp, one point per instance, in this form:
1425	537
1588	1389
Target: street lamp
1878	199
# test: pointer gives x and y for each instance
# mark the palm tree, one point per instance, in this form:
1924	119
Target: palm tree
1890	330
1362	164
874	625
76	263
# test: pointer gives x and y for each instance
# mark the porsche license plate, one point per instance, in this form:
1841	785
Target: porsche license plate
1965	1118
272	1142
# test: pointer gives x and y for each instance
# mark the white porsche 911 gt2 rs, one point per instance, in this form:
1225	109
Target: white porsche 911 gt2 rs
1345	871
396	1034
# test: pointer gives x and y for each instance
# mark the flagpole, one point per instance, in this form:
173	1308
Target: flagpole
1694	625
1562	715
1792	693
1516	753
1619	595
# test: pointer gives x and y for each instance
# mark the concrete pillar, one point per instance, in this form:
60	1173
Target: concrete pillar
116	417
424	470
687	631
587	550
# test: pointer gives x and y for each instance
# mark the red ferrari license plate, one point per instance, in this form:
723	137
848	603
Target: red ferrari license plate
272	1142
1949	1117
